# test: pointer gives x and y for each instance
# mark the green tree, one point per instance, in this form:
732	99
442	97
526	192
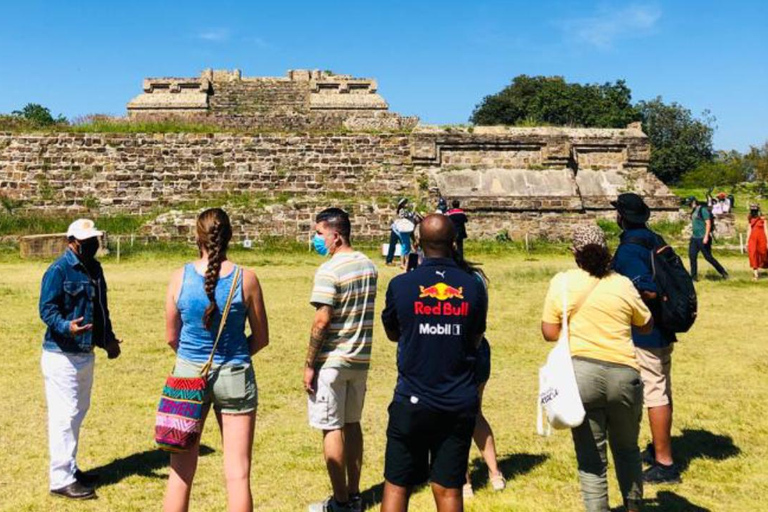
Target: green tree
38	115
550	100
757	162
679	141
719	173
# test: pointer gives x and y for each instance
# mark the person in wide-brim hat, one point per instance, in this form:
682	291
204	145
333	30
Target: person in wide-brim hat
653	350
632	208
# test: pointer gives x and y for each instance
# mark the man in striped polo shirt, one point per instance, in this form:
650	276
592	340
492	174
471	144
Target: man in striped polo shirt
338	356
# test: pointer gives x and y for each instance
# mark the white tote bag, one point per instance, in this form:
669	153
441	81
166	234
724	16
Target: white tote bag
559	402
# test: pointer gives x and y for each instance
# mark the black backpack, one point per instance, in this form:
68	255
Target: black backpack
678	305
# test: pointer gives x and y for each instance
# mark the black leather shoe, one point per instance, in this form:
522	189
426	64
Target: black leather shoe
75	491
87	479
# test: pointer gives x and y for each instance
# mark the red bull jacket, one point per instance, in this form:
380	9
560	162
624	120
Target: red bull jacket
438	310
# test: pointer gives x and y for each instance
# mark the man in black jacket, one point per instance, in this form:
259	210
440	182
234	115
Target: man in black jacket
459	219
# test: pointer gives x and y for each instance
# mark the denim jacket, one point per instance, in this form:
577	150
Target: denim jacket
634	261
68	293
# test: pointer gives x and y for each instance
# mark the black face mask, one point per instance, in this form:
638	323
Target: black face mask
88	248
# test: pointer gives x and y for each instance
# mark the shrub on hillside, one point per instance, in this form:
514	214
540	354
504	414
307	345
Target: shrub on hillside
714	174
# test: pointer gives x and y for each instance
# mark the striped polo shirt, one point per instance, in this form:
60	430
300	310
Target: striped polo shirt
347	282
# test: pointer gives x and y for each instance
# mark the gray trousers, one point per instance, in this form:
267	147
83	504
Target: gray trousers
613	399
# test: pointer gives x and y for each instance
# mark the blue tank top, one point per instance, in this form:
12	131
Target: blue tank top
195	341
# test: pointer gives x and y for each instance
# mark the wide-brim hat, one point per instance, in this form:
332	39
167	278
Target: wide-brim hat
83	229
632	207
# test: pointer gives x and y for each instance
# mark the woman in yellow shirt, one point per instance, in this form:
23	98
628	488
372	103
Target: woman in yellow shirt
602	307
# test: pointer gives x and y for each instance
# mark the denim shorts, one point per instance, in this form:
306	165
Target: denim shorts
231	387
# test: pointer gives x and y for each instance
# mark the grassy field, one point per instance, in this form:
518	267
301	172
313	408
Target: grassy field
719	374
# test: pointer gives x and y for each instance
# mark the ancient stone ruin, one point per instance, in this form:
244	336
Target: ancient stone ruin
302	99
286	147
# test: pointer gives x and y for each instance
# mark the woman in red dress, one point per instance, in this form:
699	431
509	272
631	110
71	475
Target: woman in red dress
757	243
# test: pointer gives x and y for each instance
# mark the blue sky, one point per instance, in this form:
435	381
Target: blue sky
432	59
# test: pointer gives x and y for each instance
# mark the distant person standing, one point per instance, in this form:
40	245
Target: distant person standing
757	242
437	315
73	306
402	212
338	356
701	238
654	349
442	206
459	219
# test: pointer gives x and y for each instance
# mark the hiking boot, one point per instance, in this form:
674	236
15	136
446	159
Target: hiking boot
648	455
75	491
498	482
356	502
330	505
662	474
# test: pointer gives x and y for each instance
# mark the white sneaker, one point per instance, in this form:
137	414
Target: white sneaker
467	492
498	482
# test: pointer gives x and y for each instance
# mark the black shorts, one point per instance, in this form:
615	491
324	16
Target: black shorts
424	444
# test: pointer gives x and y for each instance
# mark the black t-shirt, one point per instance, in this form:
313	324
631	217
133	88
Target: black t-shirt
439	311
459	219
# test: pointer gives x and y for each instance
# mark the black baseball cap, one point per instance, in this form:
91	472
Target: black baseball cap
632	207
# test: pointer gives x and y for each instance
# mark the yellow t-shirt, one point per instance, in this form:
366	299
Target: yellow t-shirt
602	328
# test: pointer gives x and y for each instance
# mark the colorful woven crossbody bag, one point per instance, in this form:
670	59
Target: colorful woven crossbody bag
178	423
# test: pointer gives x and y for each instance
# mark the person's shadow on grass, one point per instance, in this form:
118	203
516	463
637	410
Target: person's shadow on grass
144	464
692	444
511	466
697	444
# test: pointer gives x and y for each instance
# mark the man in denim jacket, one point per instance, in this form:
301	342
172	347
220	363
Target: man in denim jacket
653	350
73	304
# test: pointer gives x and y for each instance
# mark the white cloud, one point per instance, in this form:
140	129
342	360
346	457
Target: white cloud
215	35
609	25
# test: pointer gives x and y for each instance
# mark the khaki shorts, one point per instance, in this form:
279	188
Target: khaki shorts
338	399
231	387
655	370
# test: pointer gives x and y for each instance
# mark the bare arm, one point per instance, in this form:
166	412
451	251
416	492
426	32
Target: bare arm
172	315
257	313
647	328
320	326
551	332
708	224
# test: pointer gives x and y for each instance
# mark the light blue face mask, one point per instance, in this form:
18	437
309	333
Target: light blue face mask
318	242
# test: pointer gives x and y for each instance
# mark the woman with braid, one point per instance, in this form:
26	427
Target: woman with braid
195	300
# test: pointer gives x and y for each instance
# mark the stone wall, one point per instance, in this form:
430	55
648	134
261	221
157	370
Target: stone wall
302	100
138	173
535	181
239	97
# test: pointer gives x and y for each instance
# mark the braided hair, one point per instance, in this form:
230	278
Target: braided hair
214	232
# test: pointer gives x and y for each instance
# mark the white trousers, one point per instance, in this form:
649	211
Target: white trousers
68	382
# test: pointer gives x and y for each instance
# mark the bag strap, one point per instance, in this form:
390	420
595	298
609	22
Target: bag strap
224	314
580	302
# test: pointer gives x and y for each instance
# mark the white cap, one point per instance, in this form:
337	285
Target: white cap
83	229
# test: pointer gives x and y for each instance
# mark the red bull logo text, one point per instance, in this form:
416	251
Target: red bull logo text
441	308
441	291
